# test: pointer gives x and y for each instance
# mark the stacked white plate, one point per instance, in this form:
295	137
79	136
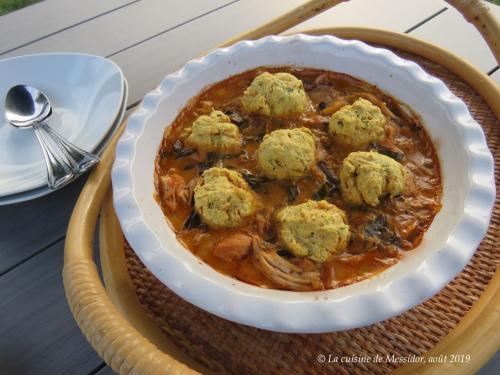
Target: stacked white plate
88	96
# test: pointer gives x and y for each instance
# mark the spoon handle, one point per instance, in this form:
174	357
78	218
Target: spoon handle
80	160
59	170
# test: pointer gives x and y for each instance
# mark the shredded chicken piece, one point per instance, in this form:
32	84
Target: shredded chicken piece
379	103
321	153
386	262
318	174
263	222
360	258
334	107
319	80
407	114
175	191
316	120
205	107
282	272
234	247
306	265
351	258
387	147
352	280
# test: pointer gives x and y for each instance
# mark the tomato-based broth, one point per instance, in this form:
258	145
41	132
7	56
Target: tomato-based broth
255	251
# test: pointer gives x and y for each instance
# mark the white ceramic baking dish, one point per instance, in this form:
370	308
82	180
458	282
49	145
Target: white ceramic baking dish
468	194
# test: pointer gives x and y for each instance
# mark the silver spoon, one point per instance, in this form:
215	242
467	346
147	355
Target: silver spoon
27	107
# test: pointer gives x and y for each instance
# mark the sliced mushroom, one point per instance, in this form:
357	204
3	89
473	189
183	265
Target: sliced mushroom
282	272
180	151
192	221
386	147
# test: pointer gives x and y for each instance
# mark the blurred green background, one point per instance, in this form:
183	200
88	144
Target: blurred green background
7	6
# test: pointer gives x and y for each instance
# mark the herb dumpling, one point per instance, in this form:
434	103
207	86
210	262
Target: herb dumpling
223	199
275	95
314	229
367	177
358	124
215	133
287	153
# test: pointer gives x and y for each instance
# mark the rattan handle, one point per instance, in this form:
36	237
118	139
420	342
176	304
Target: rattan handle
474	11
479	14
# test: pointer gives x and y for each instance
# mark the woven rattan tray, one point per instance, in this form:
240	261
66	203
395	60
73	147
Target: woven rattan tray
147	329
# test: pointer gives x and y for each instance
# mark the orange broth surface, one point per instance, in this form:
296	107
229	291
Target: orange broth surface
379	235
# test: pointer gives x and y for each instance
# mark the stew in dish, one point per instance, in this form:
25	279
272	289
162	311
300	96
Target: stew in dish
298	179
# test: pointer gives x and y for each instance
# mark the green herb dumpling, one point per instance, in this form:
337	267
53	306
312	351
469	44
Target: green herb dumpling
314	229
366	177
223	199
358	124
215	133
275	95
287	153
